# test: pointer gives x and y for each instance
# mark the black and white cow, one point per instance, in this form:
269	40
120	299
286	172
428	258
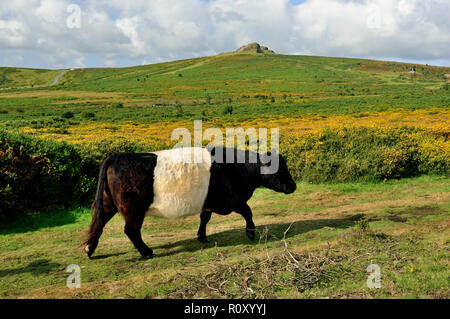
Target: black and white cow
175	183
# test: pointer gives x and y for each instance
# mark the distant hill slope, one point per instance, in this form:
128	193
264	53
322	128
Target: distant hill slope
230	73
241	73
23	77
254	84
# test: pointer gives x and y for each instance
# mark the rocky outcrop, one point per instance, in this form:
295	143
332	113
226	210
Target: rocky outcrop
254	48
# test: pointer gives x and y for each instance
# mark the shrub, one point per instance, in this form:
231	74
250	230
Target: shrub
36	173
88	115
106	147
362	226
228	110
67	115
179	108
365	154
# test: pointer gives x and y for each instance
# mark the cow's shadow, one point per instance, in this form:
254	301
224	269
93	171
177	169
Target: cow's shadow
104	256
37	267
264	233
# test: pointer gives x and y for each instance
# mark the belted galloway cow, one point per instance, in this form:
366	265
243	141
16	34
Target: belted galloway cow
182	182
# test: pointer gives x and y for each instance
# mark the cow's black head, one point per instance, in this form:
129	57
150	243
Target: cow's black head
279	179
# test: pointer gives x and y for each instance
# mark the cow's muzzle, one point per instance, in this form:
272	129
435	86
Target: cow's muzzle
290	188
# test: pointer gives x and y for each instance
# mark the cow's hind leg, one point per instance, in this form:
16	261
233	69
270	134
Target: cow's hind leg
205	216
133	224
98	223
246	212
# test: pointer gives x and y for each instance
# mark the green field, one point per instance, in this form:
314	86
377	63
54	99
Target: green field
367	141
334	231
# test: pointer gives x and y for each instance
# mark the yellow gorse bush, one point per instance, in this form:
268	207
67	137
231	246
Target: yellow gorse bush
374	146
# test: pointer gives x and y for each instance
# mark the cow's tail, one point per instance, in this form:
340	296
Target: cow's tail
97	222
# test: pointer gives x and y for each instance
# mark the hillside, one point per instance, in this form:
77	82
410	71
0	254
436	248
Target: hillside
255	85
235	75
26	78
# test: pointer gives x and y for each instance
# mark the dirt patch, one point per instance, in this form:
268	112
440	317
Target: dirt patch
329	198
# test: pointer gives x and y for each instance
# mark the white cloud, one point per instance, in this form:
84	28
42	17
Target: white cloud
14	34
129	27
373	28
114	31
79	62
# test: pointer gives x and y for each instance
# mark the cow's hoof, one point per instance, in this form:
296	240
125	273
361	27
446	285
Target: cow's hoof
88	251
147	254
203	239
250	233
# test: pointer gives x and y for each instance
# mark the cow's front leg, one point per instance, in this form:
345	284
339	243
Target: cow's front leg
246	212
205	216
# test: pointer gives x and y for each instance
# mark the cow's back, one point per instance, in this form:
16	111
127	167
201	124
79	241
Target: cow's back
181	181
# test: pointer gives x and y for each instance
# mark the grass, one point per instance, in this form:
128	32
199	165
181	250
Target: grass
309	245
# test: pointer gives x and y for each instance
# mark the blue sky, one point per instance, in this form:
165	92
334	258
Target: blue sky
44	34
